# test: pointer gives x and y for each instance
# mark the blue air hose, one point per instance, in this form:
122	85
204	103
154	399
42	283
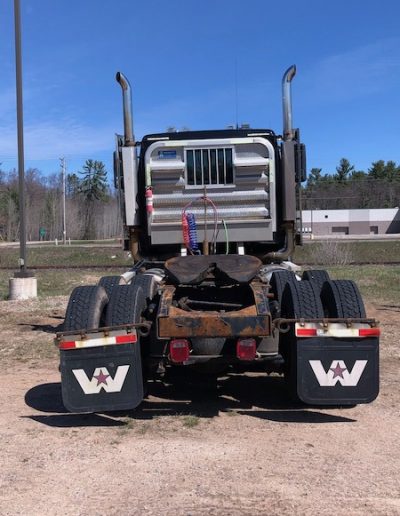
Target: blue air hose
194	245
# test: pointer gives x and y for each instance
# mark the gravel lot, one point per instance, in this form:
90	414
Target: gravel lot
242	451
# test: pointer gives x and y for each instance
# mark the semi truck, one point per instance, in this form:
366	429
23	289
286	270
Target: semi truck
211	219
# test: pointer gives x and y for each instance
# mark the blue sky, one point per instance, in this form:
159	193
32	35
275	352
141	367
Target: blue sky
188	61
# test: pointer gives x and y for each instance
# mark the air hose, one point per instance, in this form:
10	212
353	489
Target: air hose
185	231
193	243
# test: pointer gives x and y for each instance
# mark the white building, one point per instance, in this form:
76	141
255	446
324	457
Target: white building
351	222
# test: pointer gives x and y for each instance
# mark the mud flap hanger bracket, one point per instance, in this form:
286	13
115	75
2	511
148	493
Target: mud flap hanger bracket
143	330
282	325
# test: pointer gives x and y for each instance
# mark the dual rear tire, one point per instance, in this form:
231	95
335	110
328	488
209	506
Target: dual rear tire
91	307
85	308
315	297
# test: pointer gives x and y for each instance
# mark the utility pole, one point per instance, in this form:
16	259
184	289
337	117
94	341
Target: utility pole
20	129
23	285
63	168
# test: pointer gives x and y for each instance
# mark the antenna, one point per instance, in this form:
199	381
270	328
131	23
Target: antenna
236	93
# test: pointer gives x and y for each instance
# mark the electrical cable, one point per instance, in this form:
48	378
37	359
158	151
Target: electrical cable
226	237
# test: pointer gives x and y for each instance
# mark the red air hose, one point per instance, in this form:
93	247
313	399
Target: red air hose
185	231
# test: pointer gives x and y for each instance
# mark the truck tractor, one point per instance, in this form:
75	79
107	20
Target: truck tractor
211	219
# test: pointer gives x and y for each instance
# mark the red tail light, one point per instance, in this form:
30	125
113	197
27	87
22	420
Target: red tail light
306	332
369	332
246	349
179	350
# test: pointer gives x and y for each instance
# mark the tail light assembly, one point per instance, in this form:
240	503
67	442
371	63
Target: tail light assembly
246	349
179	350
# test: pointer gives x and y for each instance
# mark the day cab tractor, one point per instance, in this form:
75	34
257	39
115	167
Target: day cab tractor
211	219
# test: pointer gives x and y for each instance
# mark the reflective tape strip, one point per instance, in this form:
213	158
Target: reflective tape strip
337	330
306	332
369	332
130	338
67	345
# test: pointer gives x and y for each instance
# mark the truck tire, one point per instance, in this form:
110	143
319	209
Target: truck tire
341	298
147	283
85	308
300	300
127	302
317	276
279	280
109	282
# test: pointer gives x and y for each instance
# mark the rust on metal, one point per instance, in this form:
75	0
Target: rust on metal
196	323
142	327
166	300
261	296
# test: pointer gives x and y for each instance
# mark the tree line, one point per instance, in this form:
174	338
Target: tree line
91	205
347	188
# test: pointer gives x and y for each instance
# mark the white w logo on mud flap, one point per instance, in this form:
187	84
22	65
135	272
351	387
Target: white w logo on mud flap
101	379
338	372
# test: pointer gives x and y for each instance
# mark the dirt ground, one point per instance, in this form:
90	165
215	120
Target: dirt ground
242	451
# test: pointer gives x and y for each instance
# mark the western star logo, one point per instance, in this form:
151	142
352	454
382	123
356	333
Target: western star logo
338	372
101	379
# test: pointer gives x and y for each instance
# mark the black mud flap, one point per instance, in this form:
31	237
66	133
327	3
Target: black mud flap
102	378
337	371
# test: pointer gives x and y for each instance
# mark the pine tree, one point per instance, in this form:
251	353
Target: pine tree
343	171
314	176
92	187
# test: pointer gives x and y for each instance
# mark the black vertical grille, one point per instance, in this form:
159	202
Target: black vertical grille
209	167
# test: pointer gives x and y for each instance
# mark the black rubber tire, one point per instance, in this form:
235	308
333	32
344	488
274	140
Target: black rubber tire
300	300
317	276
126	304
85	308
341	298
279	280
109	282
147	283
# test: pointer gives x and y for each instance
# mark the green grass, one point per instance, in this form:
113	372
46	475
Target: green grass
382	251
45	256
109	255
190	421
377	283
59	282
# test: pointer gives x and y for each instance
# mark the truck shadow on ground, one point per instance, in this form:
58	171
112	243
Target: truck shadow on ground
46	328
261	397
389	308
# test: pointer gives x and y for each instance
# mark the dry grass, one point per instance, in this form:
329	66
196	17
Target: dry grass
331	252
371	251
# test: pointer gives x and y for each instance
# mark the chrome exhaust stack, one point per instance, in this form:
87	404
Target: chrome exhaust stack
288	132
288	150
127	106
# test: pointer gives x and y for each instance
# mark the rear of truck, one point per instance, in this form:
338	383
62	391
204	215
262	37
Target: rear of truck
211	219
